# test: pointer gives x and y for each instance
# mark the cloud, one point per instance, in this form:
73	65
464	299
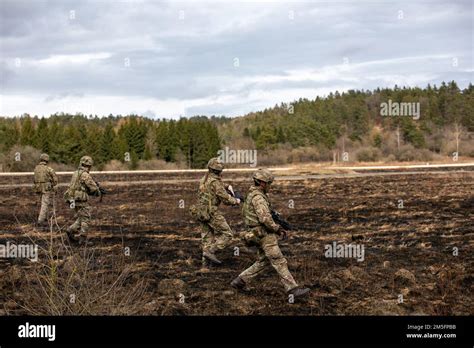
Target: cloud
68	59
63	95
167	59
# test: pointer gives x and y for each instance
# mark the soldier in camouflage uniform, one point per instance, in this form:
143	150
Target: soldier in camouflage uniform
262	232
82	185
45	183
215	232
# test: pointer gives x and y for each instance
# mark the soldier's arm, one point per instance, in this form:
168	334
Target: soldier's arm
263	213
87	180
54	177
224	196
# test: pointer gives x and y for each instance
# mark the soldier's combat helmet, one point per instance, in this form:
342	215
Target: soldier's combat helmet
214	164
263	175
86	161
44	158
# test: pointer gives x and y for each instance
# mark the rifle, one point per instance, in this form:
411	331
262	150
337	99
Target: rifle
280	220
101	191
235	194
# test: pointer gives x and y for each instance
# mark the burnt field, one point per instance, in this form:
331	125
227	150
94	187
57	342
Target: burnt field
143	250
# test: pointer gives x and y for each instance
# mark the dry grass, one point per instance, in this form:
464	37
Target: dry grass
79	280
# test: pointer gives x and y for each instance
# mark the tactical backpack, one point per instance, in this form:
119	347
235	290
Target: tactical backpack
76	192
204	209
42	181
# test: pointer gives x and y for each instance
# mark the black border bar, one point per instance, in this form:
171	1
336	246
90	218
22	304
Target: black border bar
195	330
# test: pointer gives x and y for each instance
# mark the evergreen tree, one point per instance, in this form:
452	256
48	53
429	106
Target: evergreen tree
134	133
411	133
9	135
27	132
42	140
107	143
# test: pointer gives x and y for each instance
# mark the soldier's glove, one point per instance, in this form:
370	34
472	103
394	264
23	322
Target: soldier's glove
238	200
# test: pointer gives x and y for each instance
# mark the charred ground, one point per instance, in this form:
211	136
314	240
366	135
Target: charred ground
408	251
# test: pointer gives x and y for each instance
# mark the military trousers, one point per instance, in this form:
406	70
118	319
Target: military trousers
270	255
47	201
216	234
82	216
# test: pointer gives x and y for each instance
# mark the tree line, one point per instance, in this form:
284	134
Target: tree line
353	116
66	138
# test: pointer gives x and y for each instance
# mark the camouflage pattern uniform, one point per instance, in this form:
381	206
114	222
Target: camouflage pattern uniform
262	232
45	183
82	185
215	232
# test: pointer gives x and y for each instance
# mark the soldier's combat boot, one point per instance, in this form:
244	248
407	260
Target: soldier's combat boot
211	257
83	238
71	236
239	284
297	292
42	225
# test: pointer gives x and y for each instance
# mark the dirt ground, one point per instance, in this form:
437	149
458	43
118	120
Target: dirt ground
418	259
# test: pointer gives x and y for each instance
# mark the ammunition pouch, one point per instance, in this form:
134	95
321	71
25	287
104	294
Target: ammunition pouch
201	212
80	196
42	187
76	196
253	236
67	197
37	187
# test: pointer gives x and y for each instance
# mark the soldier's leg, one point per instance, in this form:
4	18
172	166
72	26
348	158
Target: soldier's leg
76	226
45	202
223	235
257	268
53	203
272	251
85	217
207	240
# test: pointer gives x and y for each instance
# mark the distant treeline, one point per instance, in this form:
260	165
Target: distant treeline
354	116
66	138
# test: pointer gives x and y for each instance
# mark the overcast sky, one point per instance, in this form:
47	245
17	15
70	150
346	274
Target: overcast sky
171	59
